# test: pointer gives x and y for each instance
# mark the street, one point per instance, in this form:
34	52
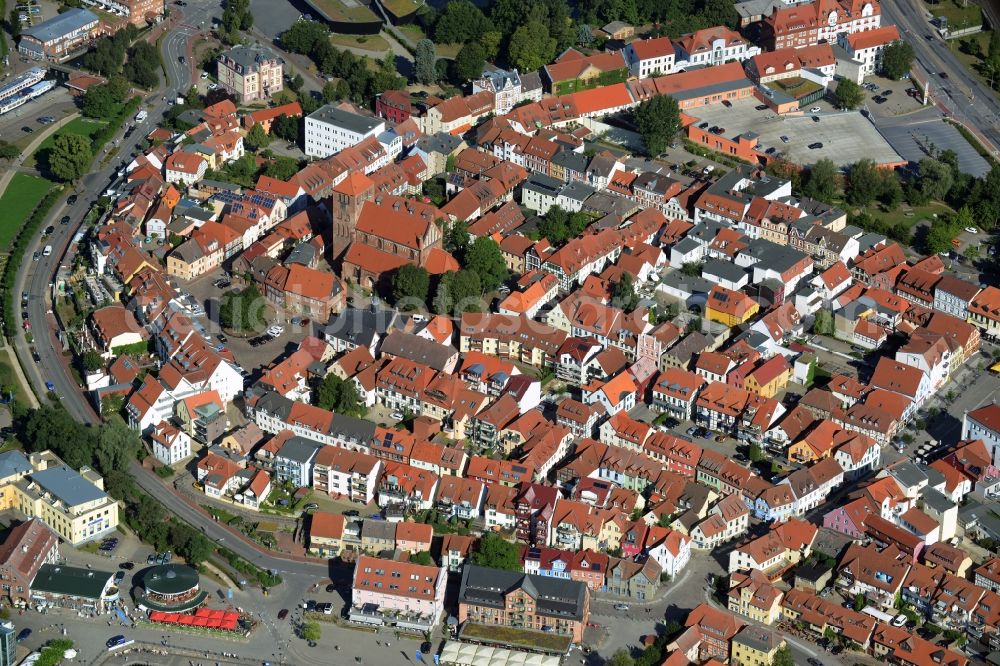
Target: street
964	96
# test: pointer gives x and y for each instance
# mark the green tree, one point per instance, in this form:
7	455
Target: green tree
459	23
116	446
658	120
993	52
237	16
935	178
470	61
756	454
859	601
531	47
490	41
98	102
821	183
257	137
897	59
303	36
458	292
456	238
423	557
864	183
783	657
940	234
91	361
496	552
423	62
295	82
285	128
282	168
692	268
70	157
410	285
242	310
485	258
14	23
621	658
143	66
339	395
311	631
823	323
623	293
51	428
849	94
8	151
329	92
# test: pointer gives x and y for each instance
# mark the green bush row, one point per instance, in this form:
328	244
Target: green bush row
103	135
265	578
18	250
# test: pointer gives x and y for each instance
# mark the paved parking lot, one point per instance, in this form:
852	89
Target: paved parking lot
847	136
912	136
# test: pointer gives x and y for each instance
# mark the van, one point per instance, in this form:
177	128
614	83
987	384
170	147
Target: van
141	116
47	251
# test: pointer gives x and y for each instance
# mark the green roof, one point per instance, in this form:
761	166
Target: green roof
71	581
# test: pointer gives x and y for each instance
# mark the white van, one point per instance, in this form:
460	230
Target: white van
141	116
47	251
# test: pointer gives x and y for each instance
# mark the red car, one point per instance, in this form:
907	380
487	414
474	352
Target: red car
283	613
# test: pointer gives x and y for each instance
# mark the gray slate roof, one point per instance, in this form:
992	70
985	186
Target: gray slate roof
61	24
67	485
418	349
554	597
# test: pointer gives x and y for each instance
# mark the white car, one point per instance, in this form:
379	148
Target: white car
396	416
275	331
204	75
815	109
621	607
972	230
899	620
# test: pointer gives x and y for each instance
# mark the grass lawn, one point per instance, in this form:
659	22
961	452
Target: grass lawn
447	50
373	43
82	126
8	380
401	7
413	31
903	213
516	637
21	197
796	87
335	10
960	13
979	44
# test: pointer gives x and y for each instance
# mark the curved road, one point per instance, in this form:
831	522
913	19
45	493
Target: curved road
963	95
37	279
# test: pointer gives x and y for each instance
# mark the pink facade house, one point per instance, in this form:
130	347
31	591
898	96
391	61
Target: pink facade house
409	595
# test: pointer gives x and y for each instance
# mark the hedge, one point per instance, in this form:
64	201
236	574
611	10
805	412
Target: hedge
265	578
102	135
18	250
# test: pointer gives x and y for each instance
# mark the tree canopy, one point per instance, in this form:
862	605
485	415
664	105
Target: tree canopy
424	61
897	58
242	310
658	120
485	259
821	182
470	61
559	225
496	552
70	156
340	396
531	47
410	286
460	22
849	94
458	292
623	293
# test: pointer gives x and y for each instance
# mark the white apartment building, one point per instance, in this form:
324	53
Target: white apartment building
329	130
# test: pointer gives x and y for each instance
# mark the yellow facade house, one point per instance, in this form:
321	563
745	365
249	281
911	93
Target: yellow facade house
73	504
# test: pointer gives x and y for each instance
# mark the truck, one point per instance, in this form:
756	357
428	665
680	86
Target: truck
141	116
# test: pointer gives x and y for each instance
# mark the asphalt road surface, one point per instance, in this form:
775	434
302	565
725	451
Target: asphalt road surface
963	95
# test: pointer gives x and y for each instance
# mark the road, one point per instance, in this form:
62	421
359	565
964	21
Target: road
964	96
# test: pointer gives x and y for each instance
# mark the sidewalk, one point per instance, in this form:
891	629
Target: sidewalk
27	391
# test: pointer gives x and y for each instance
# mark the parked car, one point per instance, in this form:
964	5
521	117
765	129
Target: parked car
352	513
972	230
331	588
703	125
761	107
119	577
815	119
785	139
23	634
311	505
692	431
815	109
127	566
27	130
396	416
726	103
115	641
65	220
72	200
621	607
816	146
283	613
943	75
